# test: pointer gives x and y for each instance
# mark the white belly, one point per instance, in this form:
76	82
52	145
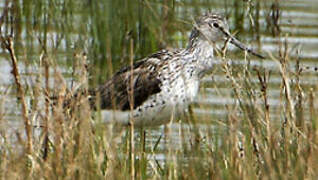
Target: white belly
160	108
149	117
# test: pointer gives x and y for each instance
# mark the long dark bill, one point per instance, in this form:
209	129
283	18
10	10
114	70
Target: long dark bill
240	45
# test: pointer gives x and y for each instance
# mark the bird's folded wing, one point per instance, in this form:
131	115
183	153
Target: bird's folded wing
132	86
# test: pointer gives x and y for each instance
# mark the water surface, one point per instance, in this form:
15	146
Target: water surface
105	29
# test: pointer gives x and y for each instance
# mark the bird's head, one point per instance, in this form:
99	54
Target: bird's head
214	28
210	27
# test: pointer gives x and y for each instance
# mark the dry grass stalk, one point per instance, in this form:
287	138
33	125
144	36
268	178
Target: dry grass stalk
47	105
300	94
131	120
7	42
263	80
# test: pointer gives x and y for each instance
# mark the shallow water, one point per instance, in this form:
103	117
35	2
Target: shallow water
298	25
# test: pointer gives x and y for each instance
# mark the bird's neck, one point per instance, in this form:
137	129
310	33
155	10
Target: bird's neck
201	51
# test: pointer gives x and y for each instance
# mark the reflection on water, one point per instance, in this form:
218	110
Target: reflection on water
298	25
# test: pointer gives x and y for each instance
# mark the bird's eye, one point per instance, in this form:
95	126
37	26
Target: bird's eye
216	25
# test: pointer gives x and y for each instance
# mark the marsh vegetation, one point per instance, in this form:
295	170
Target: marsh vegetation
253	118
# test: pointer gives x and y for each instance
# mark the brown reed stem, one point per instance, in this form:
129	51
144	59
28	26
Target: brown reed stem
286	82
47	106
299	104
59	125
263	79
7	42
131	120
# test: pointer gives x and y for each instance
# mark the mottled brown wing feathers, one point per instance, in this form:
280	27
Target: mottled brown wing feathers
143	79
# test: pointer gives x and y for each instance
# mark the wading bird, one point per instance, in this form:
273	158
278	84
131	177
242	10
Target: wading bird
163	84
